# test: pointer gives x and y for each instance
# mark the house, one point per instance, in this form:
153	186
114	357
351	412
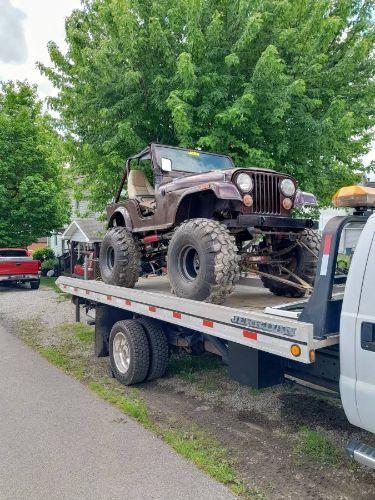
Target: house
41	243
79	210
83	237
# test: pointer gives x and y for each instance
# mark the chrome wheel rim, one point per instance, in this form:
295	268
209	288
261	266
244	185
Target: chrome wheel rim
189	263
121	352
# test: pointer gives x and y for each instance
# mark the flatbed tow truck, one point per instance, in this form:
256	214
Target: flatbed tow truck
327	340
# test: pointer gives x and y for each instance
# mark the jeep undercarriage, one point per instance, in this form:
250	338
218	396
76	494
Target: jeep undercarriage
205	223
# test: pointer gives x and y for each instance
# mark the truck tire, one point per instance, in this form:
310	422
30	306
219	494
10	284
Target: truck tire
119	258
129	352
34	285
159	350
304	265
202	261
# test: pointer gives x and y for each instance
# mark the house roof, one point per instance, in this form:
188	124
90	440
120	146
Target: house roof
85	231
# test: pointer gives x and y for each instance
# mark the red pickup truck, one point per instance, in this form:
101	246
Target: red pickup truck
17	266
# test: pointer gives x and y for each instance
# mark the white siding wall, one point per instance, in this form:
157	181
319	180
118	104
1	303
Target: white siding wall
55	242
78	210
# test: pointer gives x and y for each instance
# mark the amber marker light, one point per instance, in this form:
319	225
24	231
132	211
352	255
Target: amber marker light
295	350
287	203
247	200
312	356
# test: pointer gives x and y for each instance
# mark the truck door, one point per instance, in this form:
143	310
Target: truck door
365	342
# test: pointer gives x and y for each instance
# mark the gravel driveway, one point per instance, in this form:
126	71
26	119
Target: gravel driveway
21	303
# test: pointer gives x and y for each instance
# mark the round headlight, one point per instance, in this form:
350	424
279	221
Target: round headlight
288	188
244	182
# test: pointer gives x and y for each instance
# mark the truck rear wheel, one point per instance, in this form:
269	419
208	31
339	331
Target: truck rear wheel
202	261
303	261
129	352
34	285
119	259
159	350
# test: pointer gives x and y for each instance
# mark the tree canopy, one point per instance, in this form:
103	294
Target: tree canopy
32	198
284	84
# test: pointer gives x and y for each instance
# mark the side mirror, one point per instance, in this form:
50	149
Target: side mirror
166	165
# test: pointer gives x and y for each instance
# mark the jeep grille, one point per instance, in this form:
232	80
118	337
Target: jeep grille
266	194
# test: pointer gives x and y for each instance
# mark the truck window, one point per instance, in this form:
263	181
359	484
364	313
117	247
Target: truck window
13	253
348	242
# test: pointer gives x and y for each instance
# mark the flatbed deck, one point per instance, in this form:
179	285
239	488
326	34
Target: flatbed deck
241	319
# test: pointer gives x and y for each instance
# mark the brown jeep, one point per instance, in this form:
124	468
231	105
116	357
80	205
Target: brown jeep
207	221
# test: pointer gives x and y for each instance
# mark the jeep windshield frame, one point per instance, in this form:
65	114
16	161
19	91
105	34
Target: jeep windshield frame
190	160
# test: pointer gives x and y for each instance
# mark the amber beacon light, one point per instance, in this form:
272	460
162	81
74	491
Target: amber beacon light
354	196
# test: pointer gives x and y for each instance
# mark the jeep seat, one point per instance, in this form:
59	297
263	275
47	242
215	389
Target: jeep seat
140	189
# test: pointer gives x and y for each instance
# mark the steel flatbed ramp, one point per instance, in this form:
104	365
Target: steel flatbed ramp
235	322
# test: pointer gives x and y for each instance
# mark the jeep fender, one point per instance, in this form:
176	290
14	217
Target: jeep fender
122	213
220	190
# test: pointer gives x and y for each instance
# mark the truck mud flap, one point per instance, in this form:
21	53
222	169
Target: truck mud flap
255	368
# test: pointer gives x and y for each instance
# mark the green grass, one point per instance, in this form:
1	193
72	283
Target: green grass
187	367
60	358
205	452
30	332
55	357
209	382
132	406
317	446
51	283
81	332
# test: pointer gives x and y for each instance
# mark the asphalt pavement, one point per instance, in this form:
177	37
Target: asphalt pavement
58	440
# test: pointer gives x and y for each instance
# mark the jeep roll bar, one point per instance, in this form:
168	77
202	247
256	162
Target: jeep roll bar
145	154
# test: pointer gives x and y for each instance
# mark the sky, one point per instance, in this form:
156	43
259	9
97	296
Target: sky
26	26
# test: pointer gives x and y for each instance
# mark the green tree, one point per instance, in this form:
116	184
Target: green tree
32	198
285	84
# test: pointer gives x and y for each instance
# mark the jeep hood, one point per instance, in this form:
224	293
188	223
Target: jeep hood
189	180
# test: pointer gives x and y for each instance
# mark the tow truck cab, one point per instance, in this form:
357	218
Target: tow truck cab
357	334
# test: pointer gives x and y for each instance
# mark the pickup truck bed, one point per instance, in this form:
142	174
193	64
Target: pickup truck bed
16	266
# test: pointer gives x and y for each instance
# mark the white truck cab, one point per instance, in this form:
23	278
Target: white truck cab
357	334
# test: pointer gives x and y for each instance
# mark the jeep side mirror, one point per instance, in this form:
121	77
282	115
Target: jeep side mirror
166	165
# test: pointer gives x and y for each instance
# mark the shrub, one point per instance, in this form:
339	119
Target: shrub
49	264
343	264
43	254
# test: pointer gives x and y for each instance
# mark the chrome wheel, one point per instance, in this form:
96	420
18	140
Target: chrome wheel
189	263
121	352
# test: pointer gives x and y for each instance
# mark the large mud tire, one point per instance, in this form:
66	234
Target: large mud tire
120	257
305	258
202	261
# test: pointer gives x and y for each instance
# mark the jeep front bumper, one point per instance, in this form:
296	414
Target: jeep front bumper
270	222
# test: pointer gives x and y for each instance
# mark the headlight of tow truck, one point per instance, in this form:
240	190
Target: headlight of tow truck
244	182
287	187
